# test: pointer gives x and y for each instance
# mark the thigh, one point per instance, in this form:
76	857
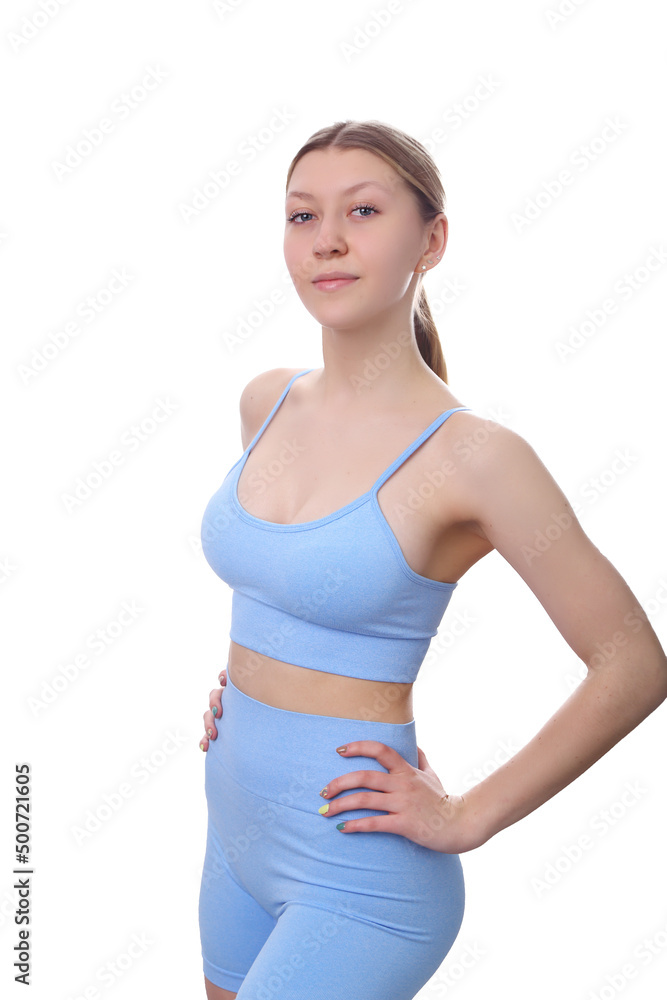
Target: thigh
319	954
233	926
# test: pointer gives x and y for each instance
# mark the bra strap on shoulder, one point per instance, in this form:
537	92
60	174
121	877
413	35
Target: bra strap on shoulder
415	444
275	407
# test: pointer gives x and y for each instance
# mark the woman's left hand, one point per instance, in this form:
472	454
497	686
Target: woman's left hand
417	805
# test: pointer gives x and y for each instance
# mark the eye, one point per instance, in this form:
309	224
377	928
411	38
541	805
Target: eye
297	215
372	208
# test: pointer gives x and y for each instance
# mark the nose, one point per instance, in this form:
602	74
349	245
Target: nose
328	241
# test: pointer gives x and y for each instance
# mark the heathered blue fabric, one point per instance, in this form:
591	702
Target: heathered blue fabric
333	594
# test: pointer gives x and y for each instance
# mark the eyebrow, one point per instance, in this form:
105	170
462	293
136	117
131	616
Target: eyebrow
350	190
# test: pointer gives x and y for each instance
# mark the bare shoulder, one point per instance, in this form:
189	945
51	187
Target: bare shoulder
513	500
258	398
497	468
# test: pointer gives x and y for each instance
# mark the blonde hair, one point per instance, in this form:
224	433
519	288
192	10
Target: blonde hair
413	162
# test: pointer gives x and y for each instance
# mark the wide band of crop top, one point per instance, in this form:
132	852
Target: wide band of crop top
333	594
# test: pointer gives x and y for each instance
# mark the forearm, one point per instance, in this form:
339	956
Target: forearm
607	705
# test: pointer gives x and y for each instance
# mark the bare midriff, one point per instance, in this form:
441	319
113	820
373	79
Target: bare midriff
302	689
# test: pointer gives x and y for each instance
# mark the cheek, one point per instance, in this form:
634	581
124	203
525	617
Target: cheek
300	263
395	273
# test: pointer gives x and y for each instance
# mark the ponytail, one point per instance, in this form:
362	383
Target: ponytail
427	337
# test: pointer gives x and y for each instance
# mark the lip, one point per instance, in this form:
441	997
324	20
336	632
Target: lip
333	280
332	276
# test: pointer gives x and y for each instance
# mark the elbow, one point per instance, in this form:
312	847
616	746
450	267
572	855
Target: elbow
635	685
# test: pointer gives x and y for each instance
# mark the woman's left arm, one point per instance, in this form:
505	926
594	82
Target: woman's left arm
521	510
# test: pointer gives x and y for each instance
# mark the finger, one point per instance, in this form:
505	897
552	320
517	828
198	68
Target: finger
215	702
203	744
379	781
215	697
385	755
213	712
359	800
370	824
209	725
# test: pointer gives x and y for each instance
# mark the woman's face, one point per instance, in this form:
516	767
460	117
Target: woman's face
374	233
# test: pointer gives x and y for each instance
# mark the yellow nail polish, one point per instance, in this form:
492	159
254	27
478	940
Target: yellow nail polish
324	809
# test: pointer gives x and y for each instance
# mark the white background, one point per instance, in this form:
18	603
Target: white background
218	77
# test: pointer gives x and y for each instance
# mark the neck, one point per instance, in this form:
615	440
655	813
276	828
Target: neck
369	366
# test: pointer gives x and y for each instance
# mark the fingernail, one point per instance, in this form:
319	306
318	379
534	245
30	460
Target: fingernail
325	792
341	749
340	826
209	733
201	746
324	809
215	711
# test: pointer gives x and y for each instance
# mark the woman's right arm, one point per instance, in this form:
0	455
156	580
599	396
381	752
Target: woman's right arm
215	703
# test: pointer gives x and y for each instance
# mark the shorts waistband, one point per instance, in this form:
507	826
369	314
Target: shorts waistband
266	748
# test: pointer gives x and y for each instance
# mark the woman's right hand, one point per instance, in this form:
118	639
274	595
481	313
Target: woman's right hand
214	701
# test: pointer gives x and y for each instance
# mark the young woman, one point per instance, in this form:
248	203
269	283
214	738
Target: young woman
343	530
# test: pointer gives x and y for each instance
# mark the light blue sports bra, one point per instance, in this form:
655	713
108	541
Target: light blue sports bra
333	594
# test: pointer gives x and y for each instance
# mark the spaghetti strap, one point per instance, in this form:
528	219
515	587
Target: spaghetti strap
413	447
335	593
275	407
